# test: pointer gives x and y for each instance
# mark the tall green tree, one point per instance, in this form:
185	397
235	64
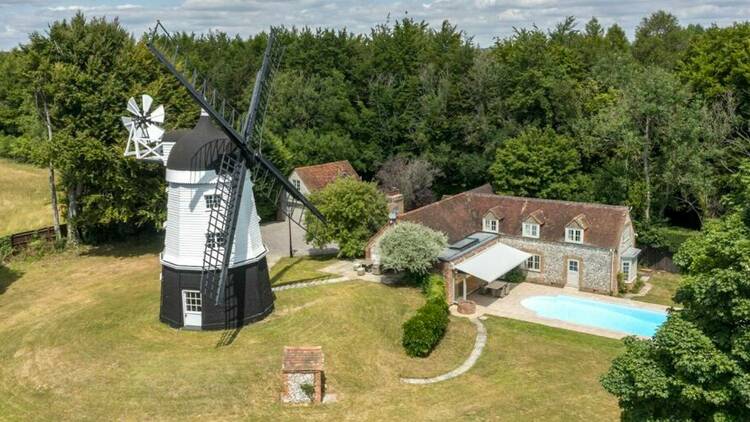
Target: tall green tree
91	67
542	164
353	210
697	366
660	40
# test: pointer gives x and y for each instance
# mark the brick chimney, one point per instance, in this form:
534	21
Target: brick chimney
395	201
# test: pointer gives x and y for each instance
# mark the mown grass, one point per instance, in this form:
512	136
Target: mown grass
81	340
664	285
24	198
299	269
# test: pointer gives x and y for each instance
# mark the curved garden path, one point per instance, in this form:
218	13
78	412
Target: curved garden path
479	344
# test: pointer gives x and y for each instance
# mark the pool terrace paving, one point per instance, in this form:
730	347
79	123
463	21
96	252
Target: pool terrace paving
510	307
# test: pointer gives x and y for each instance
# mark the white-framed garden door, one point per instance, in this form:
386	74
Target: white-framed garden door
574	272
192	305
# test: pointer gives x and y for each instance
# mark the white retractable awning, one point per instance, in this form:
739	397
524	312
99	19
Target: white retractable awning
493	262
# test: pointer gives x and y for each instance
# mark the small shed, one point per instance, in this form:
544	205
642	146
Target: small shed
302	375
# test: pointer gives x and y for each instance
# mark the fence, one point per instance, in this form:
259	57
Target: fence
21	240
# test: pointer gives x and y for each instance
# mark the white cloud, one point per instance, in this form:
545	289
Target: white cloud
483	19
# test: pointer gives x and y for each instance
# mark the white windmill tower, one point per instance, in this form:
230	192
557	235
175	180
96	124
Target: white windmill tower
214	270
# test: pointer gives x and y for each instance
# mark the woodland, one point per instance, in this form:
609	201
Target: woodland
575	112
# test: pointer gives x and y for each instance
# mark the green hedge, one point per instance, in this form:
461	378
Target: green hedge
423	331
667	237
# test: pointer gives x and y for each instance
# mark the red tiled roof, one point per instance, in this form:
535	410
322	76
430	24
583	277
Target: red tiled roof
318	176
302	359
461	215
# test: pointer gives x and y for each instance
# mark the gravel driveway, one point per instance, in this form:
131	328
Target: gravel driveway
276	237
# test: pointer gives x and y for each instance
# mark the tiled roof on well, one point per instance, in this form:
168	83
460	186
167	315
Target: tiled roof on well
461	215
318	176
302	359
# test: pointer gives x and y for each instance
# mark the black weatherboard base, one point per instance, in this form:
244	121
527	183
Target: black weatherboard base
248	297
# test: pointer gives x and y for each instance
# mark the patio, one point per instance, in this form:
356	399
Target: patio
510	306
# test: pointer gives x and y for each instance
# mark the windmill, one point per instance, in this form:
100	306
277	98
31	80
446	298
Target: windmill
144	132
214	270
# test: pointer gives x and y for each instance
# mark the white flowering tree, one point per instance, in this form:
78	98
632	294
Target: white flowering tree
411	247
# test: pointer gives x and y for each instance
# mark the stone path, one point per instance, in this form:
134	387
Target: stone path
479	344
309	284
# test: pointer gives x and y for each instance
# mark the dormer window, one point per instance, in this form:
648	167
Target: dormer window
575	228
490	225
531	230
573	235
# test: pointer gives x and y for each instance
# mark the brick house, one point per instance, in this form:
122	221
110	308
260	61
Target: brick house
558	243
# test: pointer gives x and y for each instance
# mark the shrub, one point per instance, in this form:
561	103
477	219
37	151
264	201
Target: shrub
622	288
308	389
667	237
411	247
5	248
423	331
434	288
516	275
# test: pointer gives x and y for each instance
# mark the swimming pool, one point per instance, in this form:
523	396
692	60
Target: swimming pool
625	319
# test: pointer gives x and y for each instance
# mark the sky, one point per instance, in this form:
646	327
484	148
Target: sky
484	20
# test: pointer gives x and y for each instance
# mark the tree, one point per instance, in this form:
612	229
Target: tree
697	366
87	69
353	210
660	40
717	63
411	247
412	177
541	164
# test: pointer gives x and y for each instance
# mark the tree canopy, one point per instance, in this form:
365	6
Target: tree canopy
659	124
410	247
353	210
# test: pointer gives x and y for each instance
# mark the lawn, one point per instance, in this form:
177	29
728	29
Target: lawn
299	269
81	341
664	285
24	198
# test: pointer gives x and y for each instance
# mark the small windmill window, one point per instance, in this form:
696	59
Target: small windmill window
213	201
215	240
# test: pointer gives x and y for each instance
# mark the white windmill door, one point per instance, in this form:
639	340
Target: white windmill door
191	308
574	267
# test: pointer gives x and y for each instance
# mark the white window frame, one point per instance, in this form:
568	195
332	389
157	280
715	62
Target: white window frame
573	235
491	225
297	184
626	274
531	230
211	200
193	300
534	263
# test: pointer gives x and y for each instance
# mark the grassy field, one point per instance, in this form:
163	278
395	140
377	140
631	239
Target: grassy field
81	341
24	198
664	285
299	269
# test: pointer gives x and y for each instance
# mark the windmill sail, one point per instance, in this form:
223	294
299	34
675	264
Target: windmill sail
245	133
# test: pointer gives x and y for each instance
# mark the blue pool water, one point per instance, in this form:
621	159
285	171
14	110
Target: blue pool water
625	319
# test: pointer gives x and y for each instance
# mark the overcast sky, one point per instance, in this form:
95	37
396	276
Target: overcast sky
483	19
